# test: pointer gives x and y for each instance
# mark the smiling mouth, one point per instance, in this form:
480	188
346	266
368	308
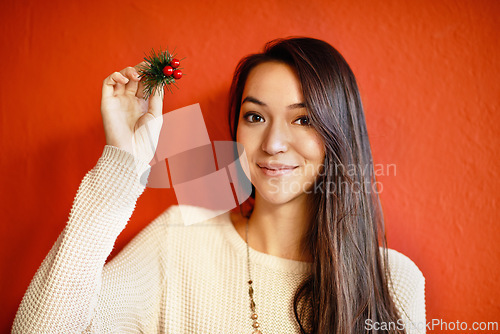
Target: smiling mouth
277	171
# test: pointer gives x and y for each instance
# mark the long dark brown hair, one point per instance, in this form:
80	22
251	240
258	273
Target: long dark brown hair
348	283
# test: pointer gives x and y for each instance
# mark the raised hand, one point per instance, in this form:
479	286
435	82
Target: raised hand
130	122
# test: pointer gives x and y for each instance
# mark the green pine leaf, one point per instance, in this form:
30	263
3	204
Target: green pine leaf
152	75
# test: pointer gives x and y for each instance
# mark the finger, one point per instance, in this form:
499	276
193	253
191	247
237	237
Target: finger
140	89
156	103
112	83
133	76
139	66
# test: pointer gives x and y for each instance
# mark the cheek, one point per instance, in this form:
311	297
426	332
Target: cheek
240	135
238	131
312	148
246	136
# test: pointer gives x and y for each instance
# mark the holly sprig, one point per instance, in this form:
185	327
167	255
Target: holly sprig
158	71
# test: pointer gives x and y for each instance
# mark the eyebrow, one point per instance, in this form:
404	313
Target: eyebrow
260	103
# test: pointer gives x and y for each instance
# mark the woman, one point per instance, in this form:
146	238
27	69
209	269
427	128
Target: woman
309	257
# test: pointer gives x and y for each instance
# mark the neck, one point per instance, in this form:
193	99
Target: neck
278	229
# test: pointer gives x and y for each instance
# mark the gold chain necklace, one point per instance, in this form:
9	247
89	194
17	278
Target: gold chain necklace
254	316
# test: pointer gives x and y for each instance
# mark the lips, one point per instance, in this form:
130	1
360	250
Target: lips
276	169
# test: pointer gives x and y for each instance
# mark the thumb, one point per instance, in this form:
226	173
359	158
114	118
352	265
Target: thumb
155	106
146	136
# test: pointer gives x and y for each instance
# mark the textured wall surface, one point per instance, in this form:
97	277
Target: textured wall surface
428	74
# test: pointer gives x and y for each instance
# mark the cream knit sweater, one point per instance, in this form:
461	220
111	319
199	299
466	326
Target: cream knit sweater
171	278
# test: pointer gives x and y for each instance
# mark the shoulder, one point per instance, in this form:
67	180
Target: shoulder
188	215
405	276
407	286
186	219
403	268
189	235
180	224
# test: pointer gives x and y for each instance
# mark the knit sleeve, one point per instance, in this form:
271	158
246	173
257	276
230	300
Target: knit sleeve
408	290
66	290
133	286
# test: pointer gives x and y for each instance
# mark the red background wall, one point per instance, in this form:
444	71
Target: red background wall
428	74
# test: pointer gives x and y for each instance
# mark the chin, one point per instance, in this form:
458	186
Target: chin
280	190
278	197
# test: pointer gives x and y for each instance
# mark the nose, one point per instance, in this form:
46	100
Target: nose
276	139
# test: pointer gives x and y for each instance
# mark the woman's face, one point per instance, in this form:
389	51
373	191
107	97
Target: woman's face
285	154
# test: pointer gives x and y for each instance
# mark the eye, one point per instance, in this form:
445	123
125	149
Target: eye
303	120
253	118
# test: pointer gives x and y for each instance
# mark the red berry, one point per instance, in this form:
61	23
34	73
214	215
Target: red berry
168	70
175	63
177	74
